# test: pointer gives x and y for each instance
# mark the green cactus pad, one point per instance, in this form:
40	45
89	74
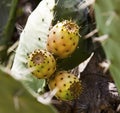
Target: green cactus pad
33	37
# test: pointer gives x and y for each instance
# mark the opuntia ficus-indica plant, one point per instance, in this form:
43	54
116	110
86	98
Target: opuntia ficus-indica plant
64	45
62	41
34	36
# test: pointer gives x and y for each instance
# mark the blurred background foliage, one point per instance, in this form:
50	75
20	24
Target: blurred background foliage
14	98
13	16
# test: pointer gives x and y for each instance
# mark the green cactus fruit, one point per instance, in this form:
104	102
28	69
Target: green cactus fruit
69	86
42	63
63	39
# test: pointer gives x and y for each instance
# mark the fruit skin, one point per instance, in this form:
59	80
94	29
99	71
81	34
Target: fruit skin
63	39
42	62
68	85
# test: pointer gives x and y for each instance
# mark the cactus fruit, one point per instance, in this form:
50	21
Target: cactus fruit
42	62
63	38
69	87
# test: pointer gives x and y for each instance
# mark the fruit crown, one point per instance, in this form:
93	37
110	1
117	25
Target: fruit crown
70	26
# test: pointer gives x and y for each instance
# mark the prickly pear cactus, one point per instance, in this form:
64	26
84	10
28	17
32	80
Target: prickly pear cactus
33	37
35	34
108	23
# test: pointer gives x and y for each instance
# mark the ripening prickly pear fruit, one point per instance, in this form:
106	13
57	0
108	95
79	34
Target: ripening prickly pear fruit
68	85
63	39
42	63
